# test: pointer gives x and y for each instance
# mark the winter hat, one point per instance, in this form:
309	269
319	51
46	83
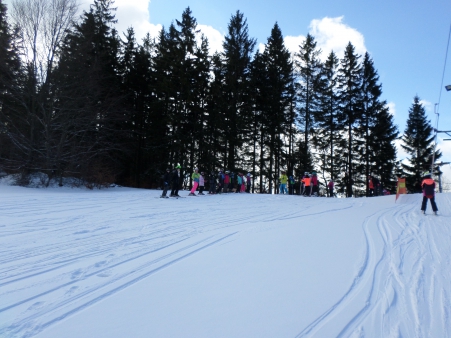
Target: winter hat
248	174
178	166
426	174
196	169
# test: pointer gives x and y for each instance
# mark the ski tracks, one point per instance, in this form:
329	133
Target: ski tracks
405	270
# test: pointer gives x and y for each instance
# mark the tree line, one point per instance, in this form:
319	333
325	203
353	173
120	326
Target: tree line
79	99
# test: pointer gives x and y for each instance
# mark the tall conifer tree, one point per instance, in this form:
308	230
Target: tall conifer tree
238	49
349	78
309	71
280	94
418	142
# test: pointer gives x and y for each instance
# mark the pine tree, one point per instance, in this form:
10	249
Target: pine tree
377	131
280	94
238	49
349	78
309	69
328	139
89	97
11	115
418	142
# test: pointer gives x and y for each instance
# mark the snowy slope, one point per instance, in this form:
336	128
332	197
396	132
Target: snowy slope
123	263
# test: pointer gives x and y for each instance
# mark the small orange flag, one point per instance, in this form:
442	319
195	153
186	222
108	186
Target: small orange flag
400	187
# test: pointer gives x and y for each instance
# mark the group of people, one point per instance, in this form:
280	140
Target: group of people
223	182
308	185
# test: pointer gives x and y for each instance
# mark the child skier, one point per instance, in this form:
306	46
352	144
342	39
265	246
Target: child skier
195	176
306	182
428	186
314	184
283	183
201	183
212	183
291	185
239	180
176	176
330	187
248	182
166	180
243	183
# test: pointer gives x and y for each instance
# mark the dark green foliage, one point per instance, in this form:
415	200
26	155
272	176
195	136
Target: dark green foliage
328	139
277	86
309	74
238	49
377	130
118	110
350	96
418	142
12	124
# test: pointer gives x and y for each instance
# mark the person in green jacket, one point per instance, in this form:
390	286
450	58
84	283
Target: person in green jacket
196	177
283	183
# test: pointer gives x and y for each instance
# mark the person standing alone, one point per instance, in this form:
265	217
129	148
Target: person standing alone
428	186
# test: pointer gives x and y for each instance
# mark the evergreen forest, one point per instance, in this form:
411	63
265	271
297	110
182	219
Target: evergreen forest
80	99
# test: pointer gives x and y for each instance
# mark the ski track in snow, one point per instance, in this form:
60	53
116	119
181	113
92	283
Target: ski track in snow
395	292
83	257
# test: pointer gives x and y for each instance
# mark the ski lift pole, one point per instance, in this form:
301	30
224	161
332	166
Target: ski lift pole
435	140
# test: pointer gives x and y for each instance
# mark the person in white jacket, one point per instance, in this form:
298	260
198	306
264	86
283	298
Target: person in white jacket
201	183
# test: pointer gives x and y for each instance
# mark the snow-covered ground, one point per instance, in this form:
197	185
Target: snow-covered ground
123	263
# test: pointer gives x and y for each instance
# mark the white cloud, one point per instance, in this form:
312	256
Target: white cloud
400	152
332	34
293	42
215	38
428	106
445	148
391	108
131	13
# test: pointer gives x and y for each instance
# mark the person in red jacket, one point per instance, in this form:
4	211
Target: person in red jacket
428	186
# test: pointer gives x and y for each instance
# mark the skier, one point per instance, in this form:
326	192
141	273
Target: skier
306	182
314	184
428	186
239	179
291	185
370	186
248	182
243	183
201	183
283	183
226	181
220	181
166	180
176	175
195	176
330	187
377	186
212	183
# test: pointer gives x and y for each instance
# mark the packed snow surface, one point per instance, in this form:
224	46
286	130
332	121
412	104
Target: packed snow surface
124	263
